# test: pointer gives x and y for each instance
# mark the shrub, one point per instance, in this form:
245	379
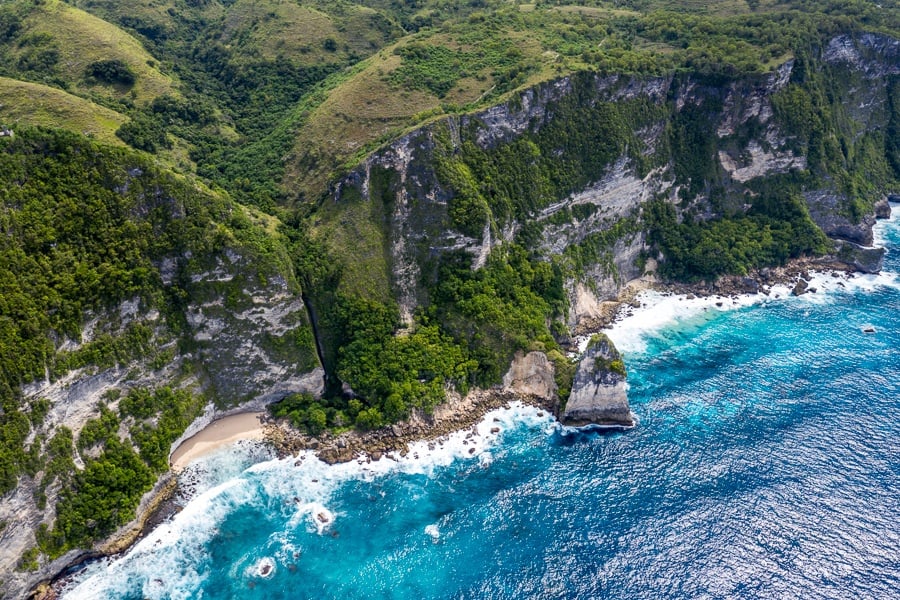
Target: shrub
113	71
144	133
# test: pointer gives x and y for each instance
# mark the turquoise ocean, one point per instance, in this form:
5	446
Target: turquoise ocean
765	464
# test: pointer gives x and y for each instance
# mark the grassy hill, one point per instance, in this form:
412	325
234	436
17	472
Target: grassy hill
292	92
37	104
57	44
480	59
310	33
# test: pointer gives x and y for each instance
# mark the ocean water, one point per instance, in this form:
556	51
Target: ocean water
766	464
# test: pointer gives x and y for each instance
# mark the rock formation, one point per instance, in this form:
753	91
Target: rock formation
598	393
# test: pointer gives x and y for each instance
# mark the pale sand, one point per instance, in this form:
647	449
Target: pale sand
224	431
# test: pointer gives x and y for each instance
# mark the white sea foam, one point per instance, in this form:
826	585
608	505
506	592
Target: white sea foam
168	561
433	532
171	561
884	225
315	514
221	465
264	567
658	310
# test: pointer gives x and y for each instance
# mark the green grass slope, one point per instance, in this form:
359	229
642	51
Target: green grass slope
478	59
55	43
37	104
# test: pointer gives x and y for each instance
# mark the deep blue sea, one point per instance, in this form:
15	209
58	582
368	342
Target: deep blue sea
766	464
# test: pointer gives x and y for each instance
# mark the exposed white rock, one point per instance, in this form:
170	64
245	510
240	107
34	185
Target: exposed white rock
617	194
598	394
506	121
586	304
744	102
531	375
759	162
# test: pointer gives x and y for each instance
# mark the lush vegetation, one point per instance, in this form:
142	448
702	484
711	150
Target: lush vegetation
84	228
268	102
776	228
516	300
111	71
97	500
103	496
467	336
74	242
514	180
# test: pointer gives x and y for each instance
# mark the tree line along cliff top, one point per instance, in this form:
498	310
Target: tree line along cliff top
271	99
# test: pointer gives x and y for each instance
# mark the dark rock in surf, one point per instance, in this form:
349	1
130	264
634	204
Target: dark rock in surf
883	207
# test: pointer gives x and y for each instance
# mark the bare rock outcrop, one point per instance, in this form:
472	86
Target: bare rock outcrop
598	393
531	375
883	206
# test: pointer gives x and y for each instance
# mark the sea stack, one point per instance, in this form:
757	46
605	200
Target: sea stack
598	393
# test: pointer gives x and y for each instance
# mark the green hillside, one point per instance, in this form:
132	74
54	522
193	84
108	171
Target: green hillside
52	42
37	104
480	59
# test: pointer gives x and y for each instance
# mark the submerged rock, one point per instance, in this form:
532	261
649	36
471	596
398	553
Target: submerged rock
598	392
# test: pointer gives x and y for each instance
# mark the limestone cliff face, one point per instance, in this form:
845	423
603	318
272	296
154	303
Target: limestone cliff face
749	145
238	332
241	338
252	338
599	394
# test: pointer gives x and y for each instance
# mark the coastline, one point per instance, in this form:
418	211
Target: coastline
457	414
159	504
461	413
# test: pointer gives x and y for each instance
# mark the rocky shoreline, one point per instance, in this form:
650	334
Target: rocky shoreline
459	412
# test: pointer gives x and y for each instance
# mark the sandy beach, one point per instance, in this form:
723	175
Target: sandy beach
224	431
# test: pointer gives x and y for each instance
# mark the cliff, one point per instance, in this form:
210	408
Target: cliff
202	315
432	263
605	178
750	143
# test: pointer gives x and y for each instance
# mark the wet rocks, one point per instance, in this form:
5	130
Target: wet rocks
883	207
858	258
457	414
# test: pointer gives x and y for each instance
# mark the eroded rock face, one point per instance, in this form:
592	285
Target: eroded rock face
598	393
531	375
864	260
826	210
751	144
